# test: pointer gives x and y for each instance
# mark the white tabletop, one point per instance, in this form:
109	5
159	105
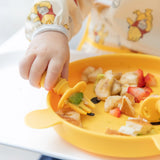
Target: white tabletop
18	98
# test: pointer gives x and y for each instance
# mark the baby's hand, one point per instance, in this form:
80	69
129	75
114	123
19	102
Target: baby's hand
48	51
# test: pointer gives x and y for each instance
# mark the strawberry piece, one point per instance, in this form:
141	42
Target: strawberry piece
141	80
139	93
150	80
115	112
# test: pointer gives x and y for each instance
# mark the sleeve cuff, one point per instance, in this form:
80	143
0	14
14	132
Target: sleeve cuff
52	27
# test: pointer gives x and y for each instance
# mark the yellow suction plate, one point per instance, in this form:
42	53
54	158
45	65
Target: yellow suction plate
92	137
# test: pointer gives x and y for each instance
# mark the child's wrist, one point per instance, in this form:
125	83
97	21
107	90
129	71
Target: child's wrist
52	28
51	35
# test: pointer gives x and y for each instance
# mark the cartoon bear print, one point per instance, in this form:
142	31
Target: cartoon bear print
140	26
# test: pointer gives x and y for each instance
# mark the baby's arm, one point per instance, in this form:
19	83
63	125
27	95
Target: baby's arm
49	26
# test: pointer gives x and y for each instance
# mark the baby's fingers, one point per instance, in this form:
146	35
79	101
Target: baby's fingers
65	70
53	72
25	65
37	69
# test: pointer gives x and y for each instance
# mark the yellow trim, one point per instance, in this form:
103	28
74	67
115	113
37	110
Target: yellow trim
107	48
85	34
86	38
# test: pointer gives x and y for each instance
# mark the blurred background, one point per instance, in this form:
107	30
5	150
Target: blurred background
12	16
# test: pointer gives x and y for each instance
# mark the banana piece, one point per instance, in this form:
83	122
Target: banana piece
103	87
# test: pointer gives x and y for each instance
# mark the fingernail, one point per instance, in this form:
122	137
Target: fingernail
47	88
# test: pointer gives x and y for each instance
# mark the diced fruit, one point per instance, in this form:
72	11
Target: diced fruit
103	88
139	93
115	112
150	80
141	80
76	98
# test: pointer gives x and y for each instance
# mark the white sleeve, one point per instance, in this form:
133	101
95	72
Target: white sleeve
64	16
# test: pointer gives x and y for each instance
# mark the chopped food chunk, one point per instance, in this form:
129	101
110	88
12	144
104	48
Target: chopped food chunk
135	127
127	107
90	74
112	102
72	117
103	88
139	93
116	88
141	81
130	78
150	80
114	132
124	89
115	112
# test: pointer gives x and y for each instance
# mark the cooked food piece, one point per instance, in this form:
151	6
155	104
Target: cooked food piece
124	89
109	83
117	75
114	132
131	98
130	78
133	78
72	117
86	72
133	127
116	88
127	107
124	103
112	102
72	114
103	87
109	74
90	74
136	126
